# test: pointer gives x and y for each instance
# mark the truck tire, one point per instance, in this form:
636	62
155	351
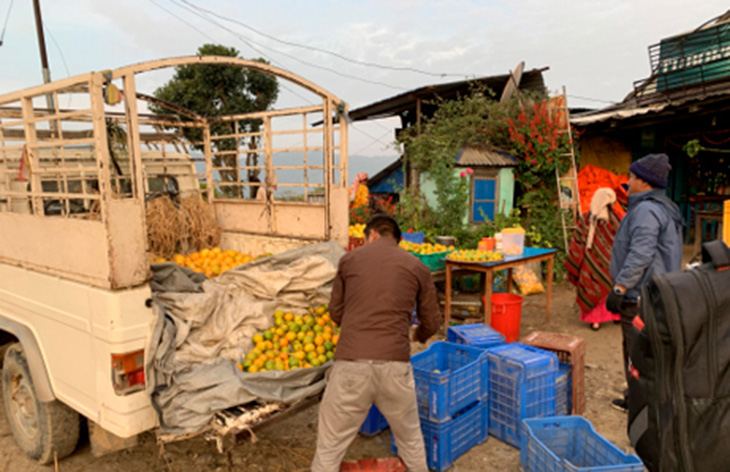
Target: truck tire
41	429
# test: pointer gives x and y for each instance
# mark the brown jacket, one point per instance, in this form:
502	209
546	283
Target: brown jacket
375	291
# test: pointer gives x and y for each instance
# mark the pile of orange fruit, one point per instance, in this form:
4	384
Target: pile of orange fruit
211	262
293	342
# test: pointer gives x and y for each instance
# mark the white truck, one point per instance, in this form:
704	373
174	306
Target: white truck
74	268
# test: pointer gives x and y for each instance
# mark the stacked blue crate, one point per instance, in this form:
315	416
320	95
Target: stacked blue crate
569	443
475	335
521	385
374	423
451	395
564	390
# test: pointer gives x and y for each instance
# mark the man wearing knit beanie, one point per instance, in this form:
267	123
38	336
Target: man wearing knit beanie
648	242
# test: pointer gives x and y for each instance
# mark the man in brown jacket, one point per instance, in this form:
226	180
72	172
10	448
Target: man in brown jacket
374	292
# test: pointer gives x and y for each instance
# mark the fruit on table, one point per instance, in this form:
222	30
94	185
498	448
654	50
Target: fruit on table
293	342
211	262
475	255
357	231
424	248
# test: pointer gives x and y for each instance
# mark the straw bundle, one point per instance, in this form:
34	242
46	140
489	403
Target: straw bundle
167	227
203	228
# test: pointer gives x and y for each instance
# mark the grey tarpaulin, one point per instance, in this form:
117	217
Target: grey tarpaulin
202	327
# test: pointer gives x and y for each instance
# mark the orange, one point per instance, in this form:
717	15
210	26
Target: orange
327	336
288	316
283	342
320	350
257	338
261	345
291	336
309	347
318	340
335	338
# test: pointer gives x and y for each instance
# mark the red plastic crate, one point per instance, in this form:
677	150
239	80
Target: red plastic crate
570	350
391	464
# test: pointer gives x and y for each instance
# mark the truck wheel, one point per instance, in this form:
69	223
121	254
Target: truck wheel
40	428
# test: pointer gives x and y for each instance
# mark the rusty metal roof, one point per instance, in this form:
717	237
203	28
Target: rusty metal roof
481	156
406	101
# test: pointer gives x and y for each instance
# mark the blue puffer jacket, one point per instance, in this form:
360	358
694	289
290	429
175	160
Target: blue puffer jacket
648	242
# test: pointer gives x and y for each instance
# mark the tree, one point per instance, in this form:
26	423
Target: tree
212	90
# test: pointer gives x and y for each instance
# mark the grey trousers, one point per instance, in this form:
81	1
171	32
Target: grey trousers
352	387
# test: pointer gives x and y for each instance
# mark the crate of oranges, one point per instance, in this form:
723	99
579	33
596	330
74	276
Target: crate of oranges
293	342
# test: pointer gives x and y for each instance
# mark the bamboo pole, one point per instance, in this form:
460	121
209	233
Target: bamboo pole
343	147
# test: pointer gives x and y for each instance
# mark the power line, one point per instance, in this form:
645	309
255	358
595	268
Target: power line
374	140
5	26
250	43
332	53
592	99
63	60
284	86
184	21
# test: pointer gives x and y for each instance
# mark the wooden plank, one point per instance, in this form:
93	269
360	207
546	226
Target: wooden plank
209	184
344	136
268	113
304	156
32	152
134	148
328	162
270	174
45	88
101	149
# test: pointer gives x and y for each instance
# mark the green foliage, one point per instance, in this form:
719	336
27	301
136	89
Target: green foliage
213	90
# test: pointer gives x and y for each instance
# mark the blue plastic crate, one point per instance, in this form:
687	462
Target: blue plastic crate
564	390
569	443
447	441
374	423
449	377
475	335
521	385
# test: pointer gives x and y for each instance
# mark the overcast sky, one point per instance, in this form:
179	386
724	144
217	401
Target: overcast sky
596	48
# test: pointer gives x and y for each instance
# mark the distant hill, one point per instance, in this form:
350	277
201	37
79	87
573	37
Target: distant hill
356	164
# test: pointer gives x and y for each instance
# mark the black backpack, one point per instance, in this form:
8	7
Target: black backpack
679	389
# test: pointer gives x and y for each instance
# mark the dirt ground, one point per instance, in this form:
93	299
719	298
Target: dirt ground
289	445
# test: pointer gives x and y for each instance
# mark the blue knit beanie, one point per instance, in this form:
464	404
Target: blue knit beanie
652	168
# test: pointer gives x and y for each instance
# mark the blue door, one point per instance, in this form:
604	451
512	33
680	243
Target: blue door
484	202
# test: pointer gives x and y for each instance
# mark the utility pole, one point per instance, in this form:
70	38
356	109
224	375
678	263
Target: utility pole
42	47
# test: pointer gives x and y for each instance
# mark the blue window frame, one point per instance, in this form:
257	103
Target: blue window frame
484	199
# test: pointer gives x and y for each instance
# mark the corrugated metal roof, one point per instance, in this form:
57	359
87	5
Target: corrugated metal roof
615	114
406	101
480	156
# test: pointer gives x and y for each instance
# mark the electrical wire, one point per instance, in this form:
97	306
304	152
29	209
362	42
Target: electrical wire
203	33
592	99
317	49
63	60
5	26
251	43
374	140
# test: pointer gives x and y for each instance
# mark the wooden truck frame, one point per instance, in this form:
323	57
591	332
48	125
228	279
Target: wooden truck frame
74	266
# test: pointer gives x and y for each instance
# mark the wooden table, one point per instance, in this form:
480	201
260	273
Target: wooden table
530	254
700	217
